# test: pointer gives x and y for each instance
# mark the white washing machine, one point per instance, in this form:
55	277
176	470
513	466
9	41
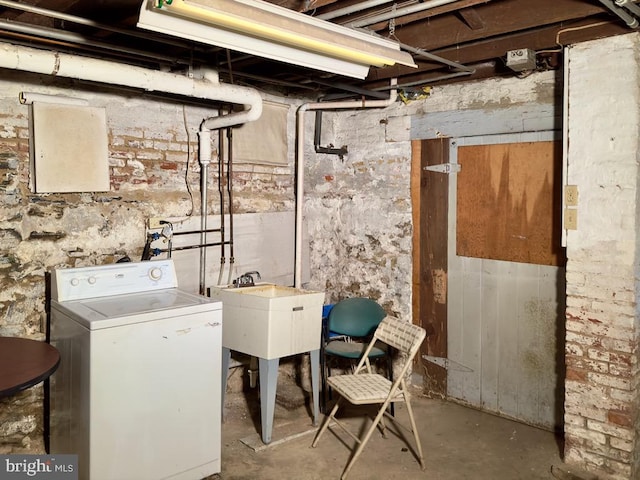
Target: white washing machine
137	392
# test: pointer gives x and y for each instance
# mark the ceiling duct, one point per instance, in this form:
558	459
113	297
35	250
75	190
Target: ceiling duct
260	28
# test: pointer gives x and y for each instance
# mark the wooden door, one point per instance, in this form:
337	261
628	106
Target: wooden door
504	275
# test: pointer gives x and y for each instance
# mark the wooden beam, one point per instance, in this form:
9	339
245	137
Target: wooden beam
489	54
503	17
472	18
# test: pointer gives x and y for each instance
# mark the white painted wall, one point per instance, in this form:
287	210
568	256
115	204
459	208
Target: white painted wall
602	396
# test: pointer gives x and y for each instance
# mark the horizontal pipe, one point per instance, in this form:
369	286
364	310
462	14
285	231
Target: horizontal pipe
54	35
436	58
629	5
112	73
358	7
86	22
190	247
417	7
193	232
631	21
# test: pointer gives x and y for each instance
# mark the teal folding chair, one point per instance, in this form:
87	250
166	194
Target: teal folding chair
346	333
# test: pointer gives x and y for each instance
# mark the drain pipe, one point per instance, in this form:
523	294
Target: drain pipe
208	88
219	123
344	105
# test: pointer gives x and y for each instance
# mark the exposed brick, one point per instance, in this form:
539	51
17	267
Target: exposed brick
169	166
574	349
609	380
620	444
622	418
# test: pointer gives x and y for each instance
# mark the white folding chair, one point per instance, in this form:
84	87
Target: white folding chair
366	388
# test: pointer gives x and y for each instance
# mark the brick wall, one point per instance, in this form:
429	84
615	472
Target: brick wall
601	399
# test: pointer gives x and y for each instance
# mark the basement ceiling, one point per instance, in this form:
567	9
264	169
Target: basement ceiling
451	41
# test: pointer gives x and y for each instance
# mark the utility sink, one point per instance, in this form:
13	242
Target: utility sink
270	321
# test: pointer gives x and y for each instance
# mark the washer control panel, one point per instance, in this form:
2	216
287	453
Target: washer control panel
114	279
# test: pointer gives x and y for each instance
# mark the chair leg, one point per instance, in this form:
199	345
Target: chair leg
414	429
363	441
323	380
326	423
392	408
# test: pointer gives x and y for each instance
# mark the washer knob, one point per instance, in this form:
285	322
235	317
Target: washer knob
75	282
91	280
155	273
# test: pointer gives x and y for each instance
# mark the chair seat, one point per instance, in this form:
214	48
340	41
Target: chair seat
364	388
352	350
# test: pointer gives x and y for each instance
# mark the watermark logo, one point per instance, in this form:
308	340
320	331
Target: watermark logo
38	467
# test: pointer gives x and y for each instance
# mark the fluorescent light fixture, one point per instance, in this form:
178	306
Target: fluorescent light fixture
270	31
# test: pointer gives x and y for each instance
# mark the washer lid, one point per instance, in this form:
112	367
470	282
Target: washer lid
117	310
137	303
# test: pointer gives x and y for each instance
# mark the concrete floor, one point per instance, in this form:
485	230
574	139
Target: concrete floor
458	443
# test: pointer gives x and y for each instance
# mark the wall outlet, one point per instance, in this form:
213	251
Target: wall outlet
571	195
571	218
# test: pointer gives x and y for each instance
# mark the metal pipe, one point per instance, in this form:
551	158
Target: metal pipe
89	23
342	105
620	12
189	247
358	7
230	193
426	81
431	56
192	232
221	194
78	39
629	5
418	7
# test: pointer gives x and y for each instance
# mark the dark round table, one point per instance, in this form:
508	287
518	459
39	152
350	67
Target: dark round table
24	363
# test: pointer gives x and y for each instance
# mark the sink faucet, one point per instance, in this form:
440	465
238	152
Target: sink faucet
246	279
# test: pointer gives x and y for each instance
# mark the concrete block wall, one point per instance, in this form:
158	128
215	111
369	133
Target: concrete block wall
153	168
602	398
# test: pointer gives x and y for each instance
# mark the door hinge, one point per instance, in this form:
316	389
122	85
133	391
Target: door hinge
446	363
444	168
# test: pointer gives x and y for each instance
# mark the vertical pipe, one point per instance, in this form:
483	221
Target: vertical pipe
565	134
205	159
230	193
221	193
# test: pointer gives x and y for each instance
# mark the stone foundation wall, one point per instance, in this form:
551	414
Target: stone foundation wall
154	172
